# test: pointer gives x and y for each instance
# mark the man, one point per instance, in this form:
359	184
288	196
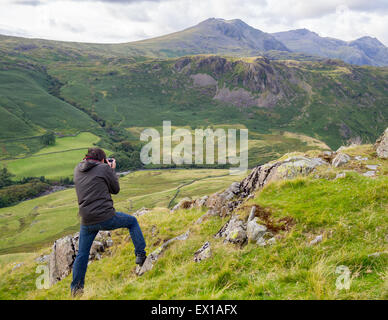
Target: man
95	180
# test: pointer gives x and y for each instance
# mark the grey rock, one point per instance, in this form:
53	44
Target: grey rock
255	231
316	240
252	213
360	158
271	241
340	175
372	167
42	258
200	202
369	174
203	253
141	212
64	252
340	159
234	231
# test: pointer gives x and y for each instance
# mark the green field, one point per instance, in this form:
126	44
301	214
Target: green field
55	161
30	224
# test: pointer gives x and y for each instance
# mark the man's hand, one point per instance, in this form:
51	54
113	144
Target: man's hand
112	164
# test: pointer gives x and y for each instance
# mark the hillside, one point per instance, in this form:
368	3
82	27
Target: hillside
320	216
327	100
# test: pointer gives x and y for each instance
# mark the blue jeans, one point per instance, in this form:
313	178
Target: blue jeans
86	238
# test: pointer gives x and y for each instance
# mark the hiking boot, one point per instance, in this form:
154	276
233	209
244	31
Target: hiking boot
77	292
140	258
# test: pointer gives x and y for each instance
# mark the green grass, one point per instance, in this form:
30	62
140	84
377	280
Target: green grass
27	108
55	161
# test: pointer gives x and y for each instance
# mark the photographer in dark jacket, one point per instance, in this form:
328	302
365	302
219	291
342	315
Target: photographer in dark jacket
95	180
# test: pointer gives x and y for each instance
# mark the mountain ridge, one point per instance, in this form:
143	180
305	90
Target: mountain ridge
232	38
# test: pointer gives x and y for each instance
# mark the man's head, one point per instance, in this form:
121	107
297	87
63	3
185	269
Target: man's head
96	154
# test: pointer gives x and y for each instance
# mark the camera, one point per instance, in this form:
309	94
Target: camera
110	160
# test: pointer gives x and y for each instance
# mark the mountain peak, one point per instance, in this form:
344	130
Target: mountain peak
367	40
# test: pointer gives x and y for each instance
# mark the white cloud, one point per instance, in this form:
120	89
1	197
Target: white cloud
130	20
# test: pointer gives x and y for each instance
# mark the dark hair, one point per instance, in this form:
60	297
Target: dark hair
95	154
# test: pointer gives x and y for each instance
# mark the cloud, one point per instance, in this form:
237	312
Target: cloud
45	2
130	20
28	2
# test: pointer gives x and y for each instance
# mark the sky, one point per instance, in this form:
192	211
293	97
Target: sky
115	21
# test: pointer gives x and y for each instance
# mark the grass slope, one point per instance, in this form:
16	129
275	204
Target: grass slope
24	94
350	213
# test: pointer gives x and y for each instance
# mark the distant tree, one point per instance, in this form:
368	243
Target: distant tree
48	139
5	178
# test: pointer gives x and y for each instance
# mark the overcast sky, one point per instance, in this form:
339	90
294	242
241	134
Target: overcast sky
129	20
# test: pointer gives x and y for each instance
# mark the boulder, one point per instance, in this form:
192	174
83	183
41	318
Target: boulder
203	253
340	159
234	231
381	145
255	231
64	252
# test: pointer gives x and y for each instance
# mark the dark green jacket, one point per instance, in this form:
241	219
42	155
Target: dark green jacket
94	182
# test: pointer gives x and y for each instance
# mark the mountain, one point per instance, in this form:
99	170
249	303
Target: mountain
71	87
215	36
363	51
218	36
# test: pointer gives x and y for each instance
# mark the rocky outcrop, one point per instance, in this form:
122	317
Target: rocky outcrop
65	250
223	203
381	145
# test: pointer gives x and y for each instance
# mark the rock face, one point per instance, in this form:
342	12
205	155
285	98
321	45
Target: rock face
203	253
381	145
65	250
